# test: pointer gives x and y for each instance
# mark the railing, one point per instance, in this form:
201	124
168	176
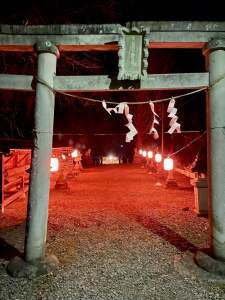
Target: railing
15	178
14	172
200	185
187	173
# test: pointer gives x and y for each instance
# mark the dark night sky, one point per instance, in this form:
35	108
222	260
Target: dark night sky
17	107
108	11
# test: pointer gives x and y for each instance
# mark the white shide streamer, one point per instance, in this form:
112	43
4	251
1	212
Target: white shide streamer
120	109
174	125
155	121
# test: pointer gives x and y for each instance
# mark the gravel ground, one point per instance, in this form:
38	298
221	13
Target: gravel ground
116	235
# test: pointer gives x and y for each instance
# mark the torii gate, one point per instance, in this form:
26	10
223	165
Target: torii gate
132	43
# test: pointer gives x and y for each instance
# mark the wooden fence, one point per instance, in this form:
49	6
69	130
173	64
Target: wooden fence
15	172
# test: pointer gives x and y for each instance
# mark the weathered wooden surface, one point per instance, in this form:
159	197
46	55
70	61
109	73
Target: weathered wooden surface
70	37
175	81
104	82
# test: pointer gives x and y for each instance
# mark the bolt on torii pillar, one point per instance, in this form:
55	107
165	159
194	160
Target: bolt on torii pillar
37	214
215	51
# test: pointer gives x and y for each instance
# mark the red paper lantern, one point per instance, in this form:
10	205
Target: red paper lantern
158	157
168	164
150	154
74	153
54	164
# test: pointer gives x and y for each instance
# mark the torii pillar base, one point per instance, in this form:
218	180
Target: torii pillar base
200	266
20	268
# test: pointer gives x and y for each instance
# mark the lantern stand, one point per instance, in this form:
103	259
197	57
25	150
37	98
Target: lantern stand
77	167
61	182
170	180
144	159
158	162
151	168
70	167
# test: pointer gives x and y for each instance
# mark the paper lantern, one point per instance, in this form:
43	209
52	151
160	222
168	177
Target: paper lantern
144	153
74	153
150	154
168	164
140	151
54	164
158	157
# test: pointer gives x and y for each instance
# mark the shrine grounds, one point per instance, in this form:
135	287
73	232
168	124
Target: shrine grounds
117	235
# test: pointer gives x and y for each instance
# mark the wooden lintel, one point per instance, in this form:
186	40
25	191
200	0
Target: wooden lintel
175	81
105	83
64	48
104	37
64	42
150	82
105	47
176	45
16	82
160	38
16	48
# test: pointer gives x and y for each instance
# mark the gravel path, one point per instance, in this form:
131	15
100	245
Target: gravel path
115	234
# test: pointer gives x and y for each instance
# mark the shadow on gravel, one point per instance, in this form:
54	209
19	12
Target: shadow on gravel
7	251
166	233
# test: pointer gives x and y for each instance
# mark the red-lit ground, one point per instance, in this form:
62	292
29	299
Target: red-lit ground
116	235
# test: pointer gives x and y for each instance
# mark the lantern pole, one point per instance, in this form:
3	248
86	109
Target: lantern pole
162	132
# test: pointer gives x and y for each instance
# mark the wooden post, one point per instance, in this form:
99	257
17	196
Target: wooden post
37	214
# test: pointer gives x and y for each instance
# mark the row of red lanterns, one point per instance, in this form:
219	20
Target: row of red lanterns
167	162
54	162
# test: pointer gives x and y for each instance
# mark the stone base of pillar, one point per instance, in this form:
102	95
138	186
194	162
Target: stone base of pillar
19	268
200	266
210	264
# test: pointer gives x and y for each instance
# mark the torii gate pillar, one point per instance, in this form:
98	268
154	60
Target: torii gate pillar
37	215
216	145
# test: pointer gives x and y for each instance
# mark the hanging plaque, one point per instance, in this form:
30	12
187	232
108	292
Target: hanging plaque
133	54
